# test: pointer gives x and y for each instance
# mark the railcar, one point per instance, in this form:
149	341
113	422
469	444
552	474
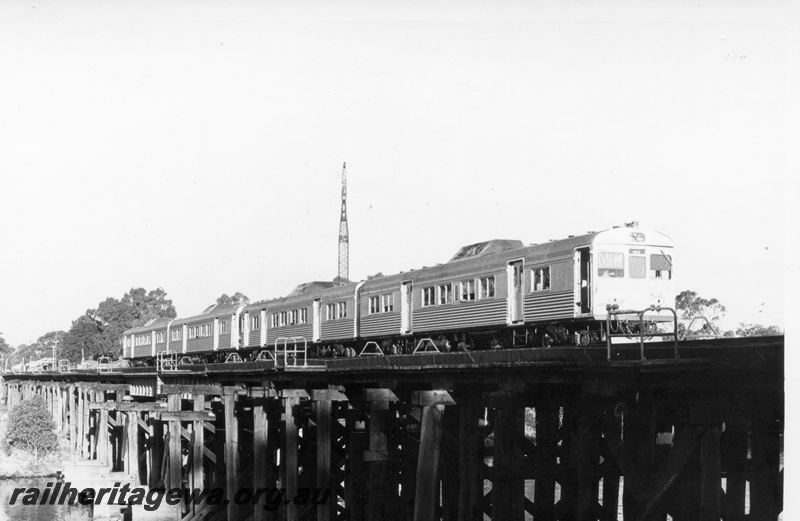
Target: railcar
493	294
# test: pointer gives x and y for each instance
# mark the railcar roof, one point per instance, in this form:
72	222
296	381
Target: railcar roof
308	292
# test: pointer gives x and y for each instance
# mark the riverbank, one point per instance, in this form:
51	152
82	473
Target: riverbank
20	464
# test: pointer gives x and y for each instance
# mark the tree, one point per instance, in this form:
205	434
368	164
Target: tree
5	349
98	331
758	330
238	299
30	428
84	337
689	305
43	347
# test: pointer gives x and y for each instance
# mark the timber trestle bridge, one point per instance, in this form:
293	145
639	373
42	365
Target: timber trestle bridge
507	435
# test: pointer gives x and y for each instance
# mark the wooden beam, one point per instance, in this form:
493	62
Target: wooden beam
156	452
450	463
289	462
470	462
647	489
213	390
260	455
198	448
83	424
108	406
377	456
322	416
733	451
131	434
294	393
508	497
423	398
329	395
174	417
142	406
231	450
109	387
428	464
233	389
185	416
710	480
262	392
101	438
545	460
379	395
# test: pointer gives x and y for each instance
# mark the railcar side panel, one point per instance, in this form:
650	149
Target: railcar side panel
224	332
201	339
142	344
553	305
380	324
460	315
295	330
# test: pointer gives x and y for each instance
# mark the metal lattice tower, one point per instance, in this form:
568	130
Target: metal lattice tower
344	237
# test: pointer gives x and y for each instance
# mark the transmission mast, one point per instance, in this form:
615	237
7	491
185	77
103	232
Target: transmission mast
344	237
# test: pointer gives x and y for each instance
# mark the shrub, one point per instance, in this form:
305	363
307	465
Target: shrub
31	428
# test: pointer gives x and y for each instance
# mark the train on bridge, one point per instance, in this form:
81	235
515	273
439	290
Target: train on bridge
493	294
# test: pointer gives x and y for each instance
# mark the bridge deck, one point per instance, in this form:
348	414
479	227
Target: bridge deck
755	358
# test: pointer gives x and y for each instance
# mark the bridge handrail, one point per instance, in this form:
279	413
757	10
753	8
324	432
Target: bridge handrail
377	351
233	358
104	364
686	334
615	311
166	361
265	355
294	350
424	342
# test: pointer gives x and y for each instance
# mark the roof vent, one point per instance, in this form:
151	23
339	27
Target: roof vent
309	286
486	248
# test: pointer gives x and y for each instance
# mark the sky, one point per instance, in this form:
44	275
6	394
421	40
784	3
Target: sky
198	146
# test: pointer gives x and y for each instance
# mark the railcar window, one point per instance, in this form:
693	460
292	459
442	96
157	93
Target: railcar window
223	327
373	305
487	287
303	316
255	322
330	312
293	317
160	337
610	264
661	266
445	294
192	332
637	265
540	279
468	290
428	296
341	310
282	318
387	302
175	335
